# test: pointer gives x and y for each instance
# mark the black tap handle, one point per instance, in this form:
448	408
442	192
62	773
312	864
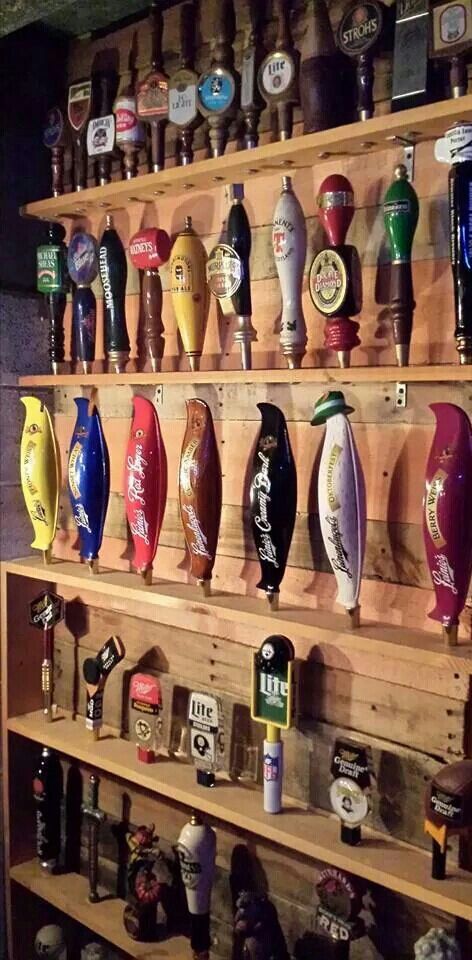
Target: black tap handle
239	237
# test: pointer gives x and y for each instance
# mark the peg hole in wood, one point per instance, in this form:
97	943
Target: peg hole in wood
385	473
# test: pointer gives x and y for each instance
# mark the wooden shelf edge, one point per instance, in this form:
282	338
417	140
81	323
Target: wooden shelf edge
68	892
380	374
355	139
317	628
397	866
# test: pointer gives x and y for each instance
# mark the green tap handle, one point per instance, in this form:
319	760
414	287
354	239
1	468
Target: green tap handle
401	218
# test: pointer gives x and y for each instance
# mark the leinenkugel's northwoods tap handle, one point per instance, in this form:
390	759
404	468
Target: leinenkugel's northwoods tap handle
200	491
152	94
82	263
456	148
145	484
341	500
40	474
55	138
278	73
273	499
52	281
189	291
130	134
252	102
447	517
88	476
401	217
94	818
272	703
359	36
183	86
78	111
149	249
335	278
448	809
101	129
217	87
196	849
289	246
113	274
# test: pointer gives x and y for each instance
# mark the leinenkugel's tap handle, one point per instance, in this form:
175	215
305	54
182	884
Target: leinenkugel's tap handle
113	274
401	217
239	238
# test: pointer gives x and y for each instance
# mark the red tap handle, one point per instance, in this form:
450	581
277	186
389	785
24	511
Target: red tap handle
336	207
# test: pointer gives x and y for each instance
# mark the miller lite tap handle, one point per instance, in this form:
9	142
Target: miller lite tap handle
82	263
96	671
88	476
289	243
113	274
52	281
448	807
145	484
55	138
272	703
148	250
401	217
238	234
206	727
278	73
40	473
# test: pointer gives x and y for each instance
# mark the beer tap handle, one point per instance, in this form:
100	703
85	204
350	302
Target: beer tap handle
239	237
107	91
57	170
157	26
282	13
151	296
402	305
80	162
187	35
251	100
458	76
56	306
283	41
365	86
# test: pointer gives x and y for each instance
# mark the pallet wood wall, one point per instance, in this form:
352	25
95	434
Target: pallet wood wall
412	723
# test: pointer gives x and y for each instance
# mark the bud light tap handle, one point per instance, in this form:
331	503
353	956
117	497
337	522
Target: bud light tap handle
401	218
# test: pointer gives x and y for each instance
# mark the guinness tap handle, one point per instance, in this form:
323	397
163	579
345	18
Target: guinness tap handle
401	217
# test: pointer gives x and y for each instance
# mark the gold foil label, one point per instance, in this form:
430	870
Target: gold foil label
186	466
436	488
333	458
181	280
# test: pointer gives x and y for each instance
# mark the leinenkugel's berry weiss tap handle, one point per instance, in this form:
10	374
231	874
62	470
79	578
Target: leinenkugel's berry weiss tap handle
52	281
289	246
401	217
148	250
88	476
145	484
196	850
273	499
335	278
278	73
447	517
47	793
273	703
218	86
189	291
82	263
456	148
113	274
200	491
183	85
40	474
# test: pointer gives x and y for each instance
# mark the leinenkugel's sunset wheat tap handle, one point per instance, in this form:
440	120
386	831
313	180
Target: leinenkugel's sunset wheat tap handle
200	491
189	291
94	817
196	849
341	500
183	86
456	148
101	129
130	135
145	484
40	474
52	281
289	246
273	703
47	795
321	93
448	808
45	612
149	249
82	263
113	274
452	38
278	73
55	139
252	102
447	517
152	94
218	87
96	671
401	217
273	500
335	278
88	476
359	36
78	111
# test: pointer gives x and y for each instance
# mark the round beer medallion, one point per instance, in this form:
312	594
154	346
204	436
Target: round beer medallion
453	23
53	128
360	28
276	73
216	90
82	258
349	801
328	281
143	730
183	98
224	271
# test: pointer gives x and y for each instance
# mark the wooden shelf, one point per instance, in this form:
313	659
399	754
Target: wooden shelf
380	374
314	834
355	139
68	892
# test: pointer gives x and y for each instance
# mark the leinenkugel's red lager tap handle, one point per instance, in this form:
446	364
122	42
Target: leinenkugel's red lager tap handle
196	850
113	274
448	808
55	138
200	491
145	484
335	278
148	250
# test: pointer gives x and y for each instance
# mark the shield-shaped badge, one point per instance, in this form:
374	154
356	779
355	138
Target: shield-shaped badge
79	104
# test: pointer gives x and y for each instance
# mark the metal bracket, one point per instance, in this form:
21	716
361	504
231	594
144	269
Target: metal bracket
408	145
401	395
159	395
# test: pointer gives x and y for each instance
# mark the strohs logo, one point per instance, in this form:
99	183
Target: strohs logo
331	492
436	489
360	28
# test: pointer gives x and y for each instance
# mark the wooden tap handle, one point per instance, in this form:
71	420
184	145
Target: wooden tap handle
284	36
57	169
224	31
151	299
80	163
187	34
365	86
402	301
157	27
56	305
458	75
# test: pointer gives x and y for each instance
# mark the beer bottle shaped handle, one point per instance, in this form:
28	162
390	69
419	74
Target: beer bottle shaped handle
151	297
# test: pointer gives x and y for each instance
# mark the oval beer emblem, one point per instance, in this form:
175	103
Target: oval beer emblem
216	90
360	28
328	282
224	271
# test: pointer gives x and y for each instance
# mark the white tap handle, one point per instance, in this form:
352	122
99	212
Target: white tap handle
289	242
196	848
273	769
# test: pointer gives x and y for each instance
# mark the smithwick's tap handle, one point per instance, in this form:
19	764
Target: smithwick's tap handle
238	233
149	249
401	218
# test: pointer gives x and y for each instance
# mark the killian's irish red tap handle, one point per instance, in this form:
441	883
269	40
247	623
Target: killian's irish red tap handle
336	207
340	334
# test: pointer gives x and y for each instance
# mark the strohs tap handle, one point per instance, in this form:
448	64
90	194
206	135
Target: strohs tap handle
401	217
183	110
149	249
289	245
94	817
359	36
252	102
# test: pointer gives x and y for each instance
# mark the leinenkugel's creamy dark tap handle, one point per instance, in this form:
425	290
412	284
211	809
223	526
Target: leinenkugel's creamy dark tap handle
278	73
52	281
401	217
113	274
252	102
273	499
183	84
448	808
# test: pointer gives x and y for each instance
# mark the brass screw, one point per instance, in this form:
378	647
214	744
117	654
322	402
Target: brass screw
188	186
324	155
367	144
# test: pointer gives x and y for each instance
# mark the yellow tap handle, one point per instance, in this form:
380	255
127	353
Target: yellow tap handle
189	291
272	733
40	473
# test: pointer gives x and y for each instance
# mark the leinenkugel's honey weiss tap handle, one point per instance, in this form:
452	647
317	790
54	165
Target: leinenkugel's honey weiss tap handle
341	500
145	484
82	263
113	274
272	703
96	671
401	217
189	292
52	281
448	808
148	250
447	517
40	473
335	278
196	849
273	499
289	246
278	73
88	476
200	491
